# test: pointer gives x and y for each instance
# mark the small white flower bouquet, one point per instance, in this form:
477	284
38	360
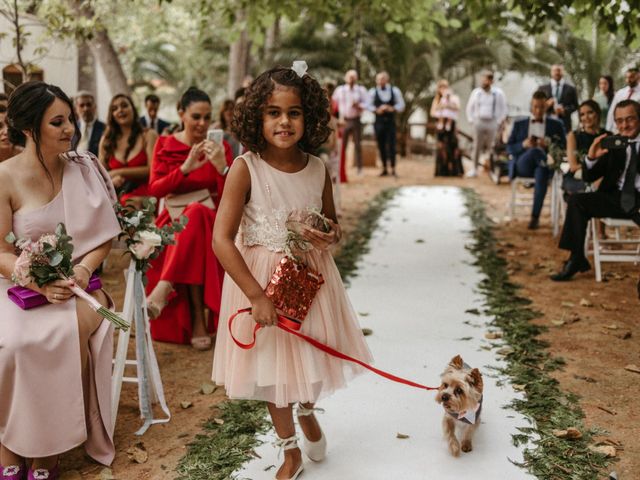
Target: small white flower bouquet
143	238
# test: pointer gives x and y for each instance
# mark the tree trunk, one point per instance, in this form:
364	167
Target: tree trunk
86	69
272	38
238	60
106	55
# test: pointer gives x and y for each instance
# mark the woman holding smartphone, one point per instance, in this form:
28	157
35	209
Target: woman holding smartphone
578	143
188	172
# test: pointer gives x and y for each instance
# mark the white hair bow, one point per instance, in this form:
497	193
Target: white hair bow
300	67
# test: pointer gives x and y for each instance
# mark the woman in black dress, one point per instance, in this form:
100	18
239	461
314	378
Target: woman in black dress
578	143
445	109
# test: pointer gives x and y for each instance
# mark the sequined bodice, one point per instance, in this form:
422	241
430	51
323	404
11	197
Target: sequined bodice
274	195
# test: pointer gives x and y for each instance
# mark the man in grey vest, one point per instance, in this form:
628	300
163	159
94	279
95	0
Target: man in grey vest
385	100
486	110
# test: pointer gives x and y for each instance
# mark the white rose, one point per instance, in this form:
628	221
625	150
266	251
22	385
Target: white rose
150	238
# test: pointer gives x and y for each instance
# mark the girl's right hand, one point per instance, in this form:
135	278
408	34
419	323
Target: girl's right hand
264	312
195	159
57	291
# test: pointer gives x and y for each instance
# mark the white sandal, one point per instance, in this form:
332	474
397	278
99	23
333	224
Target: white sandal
288	444
317	450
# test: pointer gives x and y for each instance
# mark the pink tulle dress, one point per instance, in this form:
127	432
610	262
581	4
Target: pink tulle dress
282	368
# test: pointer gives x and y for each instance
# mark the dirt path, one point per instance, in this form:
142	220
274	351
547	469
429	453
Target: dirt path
596	348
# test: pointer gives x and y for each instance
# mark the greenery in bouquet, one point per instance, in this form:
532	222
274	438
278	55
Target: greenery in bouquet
556	154
144	240
44	260
296	222
48	259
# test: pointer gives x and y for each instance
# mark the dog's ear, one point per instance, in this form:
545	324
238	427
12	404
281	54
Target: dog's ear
475	379
456	362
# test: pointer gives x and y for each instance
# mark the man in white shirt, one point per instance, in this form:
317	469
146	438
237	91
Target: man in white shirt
351	99
385	100
486	110
618	195
630	92
91	129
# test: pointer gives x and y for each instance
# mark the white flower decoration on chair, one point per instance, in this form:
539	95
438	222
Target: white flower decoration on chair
12	470
300	67
41	474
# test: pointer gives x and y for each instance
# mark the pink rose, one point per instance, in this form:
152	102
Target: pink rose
21	274
142	250
50	239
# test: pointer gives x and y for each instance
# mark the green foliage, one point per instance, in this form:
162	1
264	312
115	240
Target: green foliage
139	229
530	365
226	443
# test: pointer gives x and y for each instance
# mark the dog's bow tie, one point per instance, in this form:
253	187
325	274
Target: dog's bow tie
468	416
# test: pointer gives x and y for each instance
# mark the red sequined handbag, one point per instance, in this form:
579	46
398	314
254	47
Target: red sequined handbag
292	288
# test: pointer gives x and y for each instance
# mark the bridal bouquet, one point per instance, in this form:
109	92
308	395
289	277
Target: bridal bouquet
48	259
143	238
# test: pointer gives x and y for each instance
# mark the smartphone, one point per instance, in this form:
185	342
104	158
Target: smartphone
215	135
614	142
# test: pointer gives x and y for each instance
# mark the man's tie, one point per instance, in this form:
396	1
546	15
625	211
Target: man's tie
628	197
630	93
83	144
557	92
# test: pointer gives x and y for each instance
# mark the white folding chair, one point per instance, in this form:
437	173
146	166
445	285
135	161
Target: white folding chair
601	251
120	360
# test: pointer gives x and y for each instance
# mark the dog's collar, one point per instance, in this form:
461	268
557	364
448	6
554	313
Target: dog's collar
468	416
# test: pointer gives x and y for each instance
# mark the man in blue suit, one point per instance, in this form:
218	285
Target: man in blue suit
528	146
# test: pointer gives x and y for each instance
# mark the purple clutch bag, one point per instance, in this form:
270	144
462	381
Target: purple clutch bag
26	298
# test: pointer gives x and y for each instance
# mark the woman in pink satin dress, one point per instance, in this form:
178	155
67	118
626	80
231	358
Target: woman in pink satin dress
55	360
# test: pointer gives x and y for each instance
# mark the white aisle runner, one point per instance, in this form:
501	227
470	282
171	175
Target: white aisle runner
412	290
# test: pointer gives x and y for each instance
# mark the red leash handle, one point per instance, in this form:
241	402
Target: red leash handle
289	326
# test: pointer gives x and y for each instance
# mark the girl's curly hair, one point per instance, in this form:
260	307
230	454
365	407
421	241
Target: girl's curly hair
247	115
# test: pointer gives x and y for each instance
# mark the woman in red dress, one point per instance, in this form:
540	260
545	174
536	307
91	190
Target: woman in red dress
188	173
125	149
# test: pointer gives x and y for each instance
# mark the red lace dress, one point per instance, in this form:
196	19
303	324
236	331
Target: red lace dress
191	261
142	187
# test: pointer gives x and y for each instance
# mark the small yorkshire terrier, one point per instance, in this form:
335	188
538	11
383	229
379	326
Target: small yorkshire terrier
461	396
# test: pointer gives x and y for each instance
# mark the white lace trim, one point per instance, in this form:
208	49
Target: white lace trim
268	230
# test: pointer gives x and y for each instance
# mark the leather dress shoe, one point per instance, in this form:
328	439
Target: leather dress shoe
571	267
534	223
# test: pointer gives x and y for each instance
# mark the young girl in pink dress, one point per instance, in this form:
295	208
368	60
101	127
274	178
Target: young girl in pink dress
284	115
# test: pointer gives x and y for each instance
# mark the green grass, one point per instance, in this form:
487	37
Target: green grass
530	365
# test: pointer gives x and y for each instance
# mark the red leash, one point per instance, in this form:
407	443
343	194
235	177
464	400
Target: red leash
291	326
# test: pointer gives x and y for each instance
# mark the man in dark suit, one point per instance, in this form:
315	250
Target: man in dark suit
91	129
562	98
528	146
618	195
150	119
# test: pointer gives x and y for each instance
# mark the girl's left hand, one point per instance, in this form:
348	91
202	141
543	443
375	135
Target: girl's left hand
215	154
80	277
323	240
